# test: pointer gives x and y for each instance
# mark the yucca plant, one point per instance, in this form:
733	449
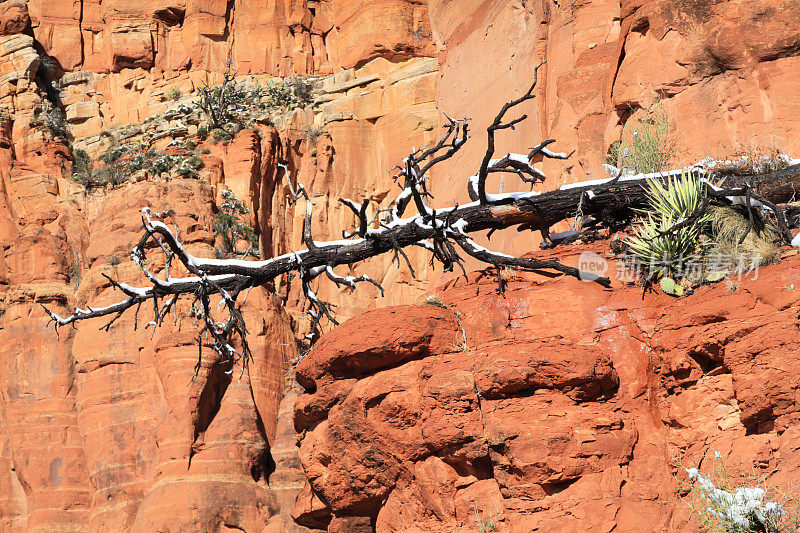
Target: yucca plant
671	202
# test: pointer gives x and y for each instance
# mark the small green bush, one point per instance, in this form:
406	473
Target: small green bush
55	121
174	94
82	166
221	136
163	163
229	227
290	94
115	153
646	143
119	163
228	103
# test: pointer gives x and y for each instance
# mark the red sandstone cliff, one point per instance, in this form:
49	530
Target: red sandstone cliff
567	409
110	428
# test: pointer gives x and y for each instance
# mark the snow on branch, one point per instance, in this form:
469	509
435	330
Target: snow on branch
443	231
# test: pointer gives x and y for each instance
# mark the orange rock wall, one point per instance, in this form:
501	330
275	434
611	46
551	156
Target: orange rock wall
606	63
110	427
113	430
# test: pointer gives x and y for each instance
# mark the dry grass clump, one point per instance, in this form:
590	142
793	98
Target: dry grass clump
728	224
433	299
755	158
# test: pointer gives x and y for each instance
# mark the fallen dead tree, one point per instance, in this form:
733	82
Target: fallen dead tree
444	232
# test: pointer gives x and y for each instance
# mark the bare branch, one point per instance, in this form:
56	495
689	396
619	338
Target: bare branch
498	124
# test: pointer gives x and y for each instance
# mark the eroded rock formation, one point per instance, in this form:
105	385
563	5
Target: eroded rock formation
114	429
567	417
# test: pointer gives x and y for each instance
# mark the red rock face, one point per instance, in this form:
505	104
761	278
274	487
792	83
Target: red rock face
114	430
402	430
564	410
281	37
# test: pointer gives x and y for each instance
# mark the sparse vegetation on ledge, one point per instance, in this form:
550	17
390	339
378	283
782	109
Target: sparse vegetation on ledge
232	105
121	162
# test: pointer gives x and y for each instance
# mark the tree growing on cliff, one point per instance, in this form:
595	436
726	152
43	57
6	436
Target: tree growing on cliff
230	229
229	106
224	104
443	231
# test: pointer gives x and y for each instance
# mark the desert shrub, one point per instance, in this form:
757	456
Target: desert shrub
137	162
614	153
163	163
108	170
82	166
187	167
230	229
112	175
231	106
723	503
174	94
115	153
290	94
55	121
646	143
221	136
119	163
229	103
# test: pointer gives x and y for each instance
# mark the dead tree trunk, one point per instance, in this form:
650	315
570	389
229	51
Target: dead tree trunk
613	203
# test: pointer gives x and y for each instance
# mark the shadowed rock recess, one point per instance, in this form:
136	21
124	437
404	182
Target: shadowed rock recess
560	406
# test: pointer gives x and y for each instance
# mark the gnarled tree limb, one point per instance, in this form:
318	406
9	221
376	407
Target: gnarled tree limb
443	231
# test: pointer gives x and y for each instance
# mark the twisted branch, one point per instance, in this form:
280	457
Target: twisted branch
442	231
